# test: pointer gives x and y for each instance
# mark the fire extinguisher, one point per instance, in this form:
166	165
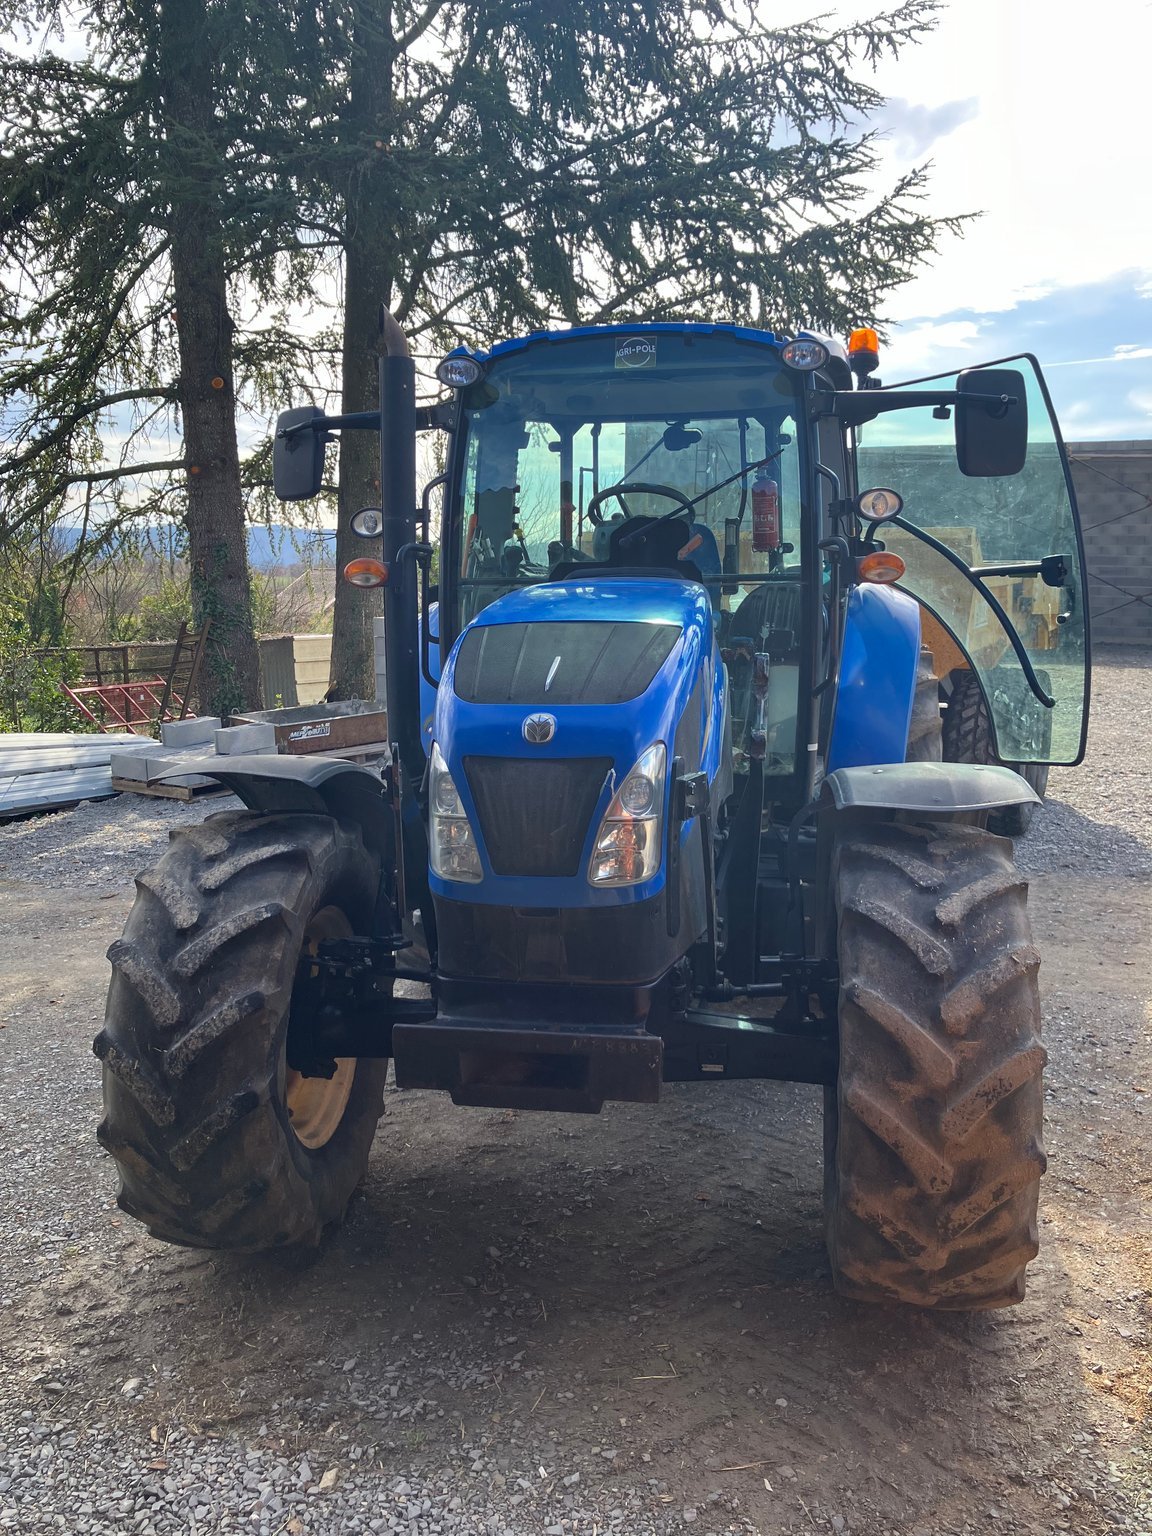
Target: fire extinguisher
766	535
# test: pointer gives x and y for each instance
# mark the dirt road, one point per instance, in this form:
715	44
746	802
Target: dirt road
537	1324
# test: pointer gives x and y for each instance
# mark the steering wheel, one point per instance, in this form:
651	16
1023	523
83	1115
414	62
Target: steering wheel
639	488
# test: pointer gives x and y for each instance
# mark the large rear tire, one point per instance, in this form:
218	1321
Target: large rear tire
218	1141
967	723
1014	820
933	1133
925	729
967	738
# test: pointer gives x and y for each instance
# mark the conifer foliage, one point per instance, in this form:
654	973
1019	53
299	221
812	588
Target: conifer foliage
185	188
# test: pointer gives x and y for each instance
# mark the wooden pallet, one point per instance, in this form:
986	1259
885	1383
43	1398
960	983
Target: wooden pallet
367	752
183	792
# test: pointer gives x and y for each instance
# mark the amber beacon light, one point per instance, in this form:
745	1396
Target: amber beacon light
864	351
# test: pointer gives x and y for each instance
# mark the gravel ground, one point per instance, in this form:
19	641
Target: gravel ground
536	1325
1098	820
102	844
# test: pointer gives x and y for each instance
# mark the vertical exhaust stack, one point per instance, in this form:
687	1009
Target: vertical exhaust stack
398	505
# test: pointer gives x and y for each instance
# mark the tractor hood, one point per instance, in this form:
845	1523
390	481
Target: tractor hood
548	699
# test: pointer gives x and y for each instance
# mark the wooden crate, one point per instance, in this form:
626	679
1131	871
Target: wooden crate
322	727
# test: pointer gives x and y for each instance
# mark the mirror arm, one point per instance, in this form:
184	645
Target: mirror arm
852	408
440	416
369	420
1052	569
993	602
428	417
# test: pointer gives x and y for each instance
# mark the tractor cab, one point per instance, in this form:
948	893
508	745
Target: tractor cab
670	453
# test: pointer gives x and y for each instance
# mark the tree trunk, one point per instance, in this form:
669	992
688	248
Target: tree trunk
217	532
368	271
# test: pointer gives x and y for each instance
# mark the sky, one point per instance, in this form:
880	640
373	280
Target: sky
1034	114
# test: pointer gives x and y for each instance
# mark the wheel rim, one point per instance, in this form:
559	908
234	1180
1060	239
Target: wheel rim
316	1105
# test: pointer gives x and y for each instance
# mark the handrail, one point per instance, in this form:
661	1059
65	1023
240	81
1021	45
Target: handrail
990	598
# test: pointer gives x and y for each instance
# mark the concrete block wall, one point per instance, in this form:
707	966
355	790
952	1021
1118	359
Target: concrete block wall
294	669
313	665
1114	490
378	659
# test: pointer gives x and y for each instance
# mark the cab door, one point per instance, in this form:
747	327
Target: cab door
997	565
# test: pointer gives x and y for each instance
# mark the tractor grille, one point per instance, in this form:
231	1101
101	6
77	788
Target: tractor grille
534	815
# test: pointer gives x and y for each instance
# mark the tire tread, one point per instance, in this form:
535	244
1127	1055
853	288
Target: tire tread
936	1138
192	1043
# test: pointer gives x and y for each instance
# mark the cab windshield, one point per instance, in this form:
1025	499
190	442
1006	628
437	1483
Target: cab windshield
680	417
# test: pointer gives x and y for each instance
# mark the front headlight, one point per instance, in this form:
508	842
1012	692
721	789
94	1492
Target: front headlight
453	854
628	844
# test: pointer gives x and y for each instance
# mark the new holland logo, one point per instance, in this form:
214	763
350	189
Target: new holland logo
538	729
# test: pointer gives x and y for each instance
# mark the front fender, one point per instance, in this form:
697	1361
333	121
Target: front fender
938	789
272	785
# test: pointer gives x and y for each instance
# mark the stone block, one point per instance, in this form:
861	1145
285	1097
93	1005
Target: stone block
235	740
129	765
139	767
196	732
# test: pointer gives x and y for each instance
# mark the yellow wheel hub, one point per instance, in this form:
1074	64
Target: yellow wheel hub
316	1105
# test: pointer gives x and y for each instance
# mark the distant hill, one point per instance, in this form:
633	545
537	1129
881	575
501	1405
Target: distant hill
281	545
267	546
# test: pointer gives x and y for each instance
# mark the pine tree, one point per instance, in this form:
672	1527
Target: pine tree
483	167
497	166
135	198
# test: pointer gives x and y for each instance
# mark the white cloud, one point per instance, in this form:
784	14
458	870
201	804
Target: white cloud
914	128
1055	154
1119	355
1081	421
907	351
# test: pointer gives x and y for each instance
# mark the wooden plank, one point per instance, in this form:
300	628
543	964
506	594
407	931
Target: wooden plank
183	792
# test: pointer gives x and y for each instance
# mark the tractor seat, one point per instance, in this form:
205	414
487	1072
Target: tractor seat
771	605
654	551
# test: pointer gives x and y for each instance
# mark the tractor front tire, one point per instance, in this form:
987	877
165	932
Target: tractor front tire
933	1132
219	1142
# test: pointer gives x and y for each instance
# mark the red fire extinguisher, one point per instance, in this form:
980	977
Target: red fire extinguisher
766	533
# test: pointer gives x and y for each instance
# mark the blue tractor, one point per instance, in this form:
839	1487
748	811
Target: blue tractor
669	797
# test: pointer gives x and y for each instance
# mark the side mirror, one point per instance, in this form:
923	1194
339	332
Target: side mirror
991	436
298	456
